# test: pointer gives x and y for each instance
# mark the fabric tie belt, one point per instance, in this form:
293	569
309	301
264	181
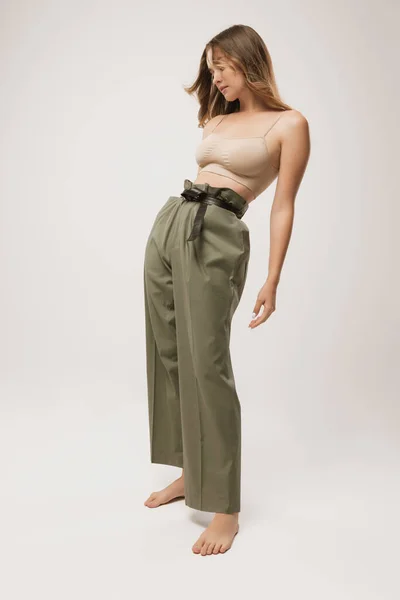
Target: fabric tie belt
205	197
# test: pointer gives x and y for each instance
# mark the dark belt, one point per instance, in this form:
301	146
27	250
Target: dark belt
205	198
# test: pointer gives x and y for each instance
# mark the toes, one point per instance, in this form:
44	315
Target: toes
210	548
151	501
203	546
223	548
216	548
198	546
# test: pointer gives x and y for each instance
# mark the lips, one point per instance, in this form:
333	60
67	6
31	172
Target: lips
223	89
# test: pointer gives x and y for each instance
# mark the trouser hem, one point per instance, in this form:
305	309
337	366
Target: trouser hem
214	508
171	462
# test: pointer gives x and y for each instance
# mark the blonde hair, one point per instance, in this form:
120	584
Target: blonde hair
243	46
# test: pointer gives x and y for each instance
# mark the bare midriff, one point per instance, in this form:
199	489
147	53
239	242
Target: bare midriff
218	181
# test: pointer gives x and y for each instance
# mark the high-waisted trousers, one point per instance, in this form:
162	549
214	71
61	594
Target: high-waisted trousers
191	291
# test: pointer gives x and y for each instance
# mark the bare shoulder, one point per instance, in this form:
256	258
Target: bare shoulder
211	122
294	121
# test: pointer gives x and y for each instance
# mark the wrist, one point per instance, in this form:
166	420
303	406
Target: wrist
272	281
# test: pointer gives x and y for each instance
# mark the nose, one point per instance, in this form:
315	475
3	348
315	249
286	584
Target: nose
216	79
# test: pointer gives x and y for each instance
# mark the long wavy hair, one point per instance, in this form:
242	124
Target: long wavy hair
243	46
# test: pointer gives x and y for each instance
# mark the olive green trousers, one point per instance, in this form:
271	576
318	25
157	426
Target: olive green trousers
191	291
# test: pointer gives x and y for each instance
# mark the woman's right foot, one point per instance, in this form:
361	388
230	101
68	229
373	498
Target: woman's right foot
173	490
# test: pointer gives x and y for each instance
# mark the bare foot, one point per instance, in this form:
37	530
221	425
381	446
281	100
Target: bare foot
173	490
218	536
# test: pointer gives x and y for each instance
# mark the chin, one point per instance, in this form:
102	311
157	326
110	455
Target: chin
230	96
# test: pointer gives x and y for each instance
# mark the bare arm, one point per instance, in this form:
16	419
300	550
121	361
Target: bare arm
295	152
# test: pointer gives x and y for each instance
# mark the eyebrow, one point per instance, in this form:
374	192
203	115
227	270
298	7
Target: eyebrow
218	62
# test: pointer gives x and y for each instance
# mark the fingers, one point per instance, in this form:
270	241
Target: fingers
266	301
257	307
261	318
257	322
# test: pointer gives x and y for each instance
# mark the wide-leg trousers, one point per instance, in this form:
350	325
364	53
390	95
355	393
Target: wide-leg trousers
191	291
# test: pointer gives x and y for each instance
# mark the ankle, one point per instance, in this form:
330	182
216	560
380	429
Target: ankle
231	516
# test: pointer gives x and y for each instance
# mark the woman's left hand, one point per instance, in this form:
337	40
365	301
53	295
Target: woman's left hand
267	299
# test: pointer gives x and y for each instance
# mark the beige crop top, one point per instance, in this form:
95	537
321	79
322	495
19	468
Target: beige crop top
242	159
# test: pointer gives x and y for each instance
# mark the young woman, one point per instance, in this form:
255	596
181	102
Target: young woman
195	269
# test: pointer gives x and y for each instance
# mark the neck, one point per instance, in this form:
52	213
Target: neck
249	103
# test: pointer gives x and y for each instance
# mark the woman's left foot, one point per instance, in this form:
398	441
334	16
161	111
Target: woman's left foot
219	535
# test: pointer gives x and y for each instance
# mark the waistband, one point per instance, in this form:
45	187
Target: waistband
228	195
205	194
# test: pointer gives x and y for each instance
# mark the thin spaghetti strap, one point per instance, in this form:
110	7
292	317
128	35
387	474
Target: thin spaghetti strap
273	124
223	116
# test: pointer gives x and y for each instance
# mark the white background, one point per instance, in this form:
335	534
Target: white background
96	134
